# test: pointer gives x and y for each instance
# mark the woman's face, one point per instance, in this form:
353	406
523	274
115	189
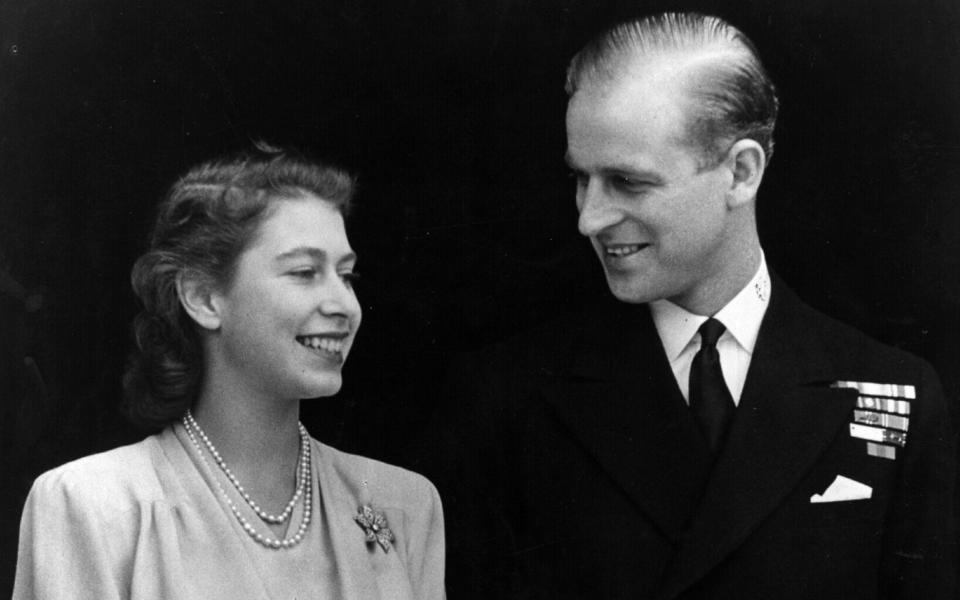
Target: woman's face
289	316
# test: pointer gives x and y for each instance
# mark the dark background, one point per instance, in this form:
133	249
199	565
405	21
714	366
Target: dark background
452	113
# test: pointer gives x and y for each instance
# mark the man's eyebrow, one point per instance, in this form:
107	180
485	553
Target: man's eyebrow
633	173
623	170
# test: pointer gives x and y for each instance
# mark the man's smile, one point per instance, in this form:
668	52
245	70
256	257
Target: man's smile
622	250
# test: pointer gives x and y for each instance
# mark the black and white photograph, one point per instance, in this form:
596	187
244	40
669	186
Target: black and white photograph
509	299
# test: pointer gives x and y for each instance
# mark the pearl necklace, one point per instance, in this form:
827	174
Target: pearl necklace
302	476
304	488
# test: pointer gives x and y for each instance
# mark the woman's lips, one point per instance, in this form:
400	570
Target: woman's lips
328	346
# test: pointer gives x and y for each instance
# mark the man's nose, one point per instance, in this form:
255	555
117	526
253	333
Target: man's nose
596	211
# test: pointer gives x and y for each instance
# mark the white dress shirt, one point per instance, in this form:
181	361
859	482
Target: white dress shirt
742	316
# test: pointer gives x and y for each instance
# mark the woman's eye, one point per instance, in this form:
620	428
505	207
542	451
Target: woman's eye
349	277
304	273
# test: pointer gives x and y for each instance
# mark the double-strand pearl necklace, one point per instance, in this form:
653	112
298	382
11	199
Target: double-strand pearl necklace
304	488
303	476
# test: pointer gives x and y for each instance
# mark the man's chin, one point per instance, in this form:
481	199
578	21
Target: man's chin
629	292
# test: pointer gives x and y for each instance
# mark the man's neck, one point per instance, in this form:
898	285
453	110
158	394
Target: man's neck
716	291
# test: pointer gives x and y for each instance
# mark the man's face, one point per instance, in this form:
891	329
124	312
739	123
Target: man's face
660	227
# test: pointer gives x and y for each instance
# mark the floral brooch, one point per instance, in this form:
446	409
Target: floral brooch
374	525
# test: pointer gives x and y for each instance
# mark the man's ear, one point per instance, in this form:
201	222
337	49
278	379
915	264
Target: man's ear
200	300
747	161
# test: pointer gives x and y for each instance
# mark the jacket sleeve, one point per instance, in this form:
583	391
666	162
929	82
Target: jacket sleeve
920	546
66	551
474	467
427	558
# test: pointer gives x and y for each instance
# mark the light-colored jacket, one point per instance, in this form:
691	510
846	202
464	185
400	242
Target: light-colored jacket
146	521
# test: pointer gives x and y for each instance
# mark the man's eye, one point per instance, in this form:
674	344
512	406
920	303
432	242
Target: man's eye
629	184
578	176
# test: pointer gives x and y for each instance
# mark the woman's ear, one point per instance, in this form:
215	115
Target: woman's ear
199	300
747	161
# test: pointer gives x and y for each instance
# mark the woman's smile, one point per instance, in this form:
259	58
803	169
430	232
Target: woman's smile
293	284
329	346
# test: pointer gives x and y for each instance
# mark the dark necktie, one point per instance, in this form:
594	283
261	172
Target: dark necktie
710	399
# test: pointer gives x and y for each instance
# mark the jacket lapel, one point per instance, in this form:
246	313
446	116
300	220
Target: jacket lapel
620	401
363	571
787	416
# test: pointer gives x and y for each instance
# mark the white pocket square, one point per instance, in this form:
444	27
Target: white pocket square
843	489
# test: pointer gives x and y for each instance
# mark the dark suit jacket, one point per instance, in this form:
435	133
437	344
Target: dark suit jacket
577	471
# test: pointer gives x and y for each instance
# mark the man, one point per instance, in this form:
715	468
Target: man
706	435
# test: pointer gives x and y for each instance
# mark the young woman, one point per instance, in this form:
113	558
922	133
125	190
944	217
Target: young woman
248	307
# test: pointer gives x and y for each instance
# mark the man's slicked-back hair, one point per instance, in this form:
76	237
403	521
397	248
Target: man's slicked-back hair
733	99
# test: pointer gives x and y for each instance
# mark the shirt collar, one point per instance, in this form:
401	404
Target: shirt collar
741	316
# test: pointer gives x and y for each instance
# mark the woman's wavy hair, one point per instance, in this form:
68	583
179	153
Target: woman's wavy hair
204	223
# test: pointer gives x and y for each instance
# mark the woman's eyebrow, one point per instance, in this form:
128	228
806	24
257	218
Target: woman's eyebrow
314	253
299	251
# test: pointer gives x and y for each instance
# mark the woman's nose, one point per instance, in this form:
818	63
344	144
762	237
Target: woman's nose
339	299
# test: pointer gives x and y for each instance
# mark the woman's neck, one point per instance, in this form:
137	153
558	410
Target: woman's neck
259	441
